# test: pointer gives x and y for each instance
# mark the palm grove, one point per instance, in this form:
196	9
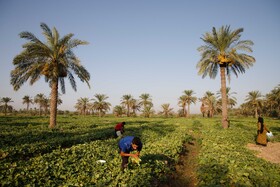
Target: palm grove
55	60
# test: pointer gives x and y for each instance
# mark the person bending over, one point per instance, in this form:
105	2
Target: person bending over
119	129
127	145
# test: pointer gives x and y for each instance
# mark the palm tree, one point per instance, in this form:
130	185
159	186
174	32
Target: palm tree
190	99
118	110
245	109
273	101
145	100
209	104
221	51
167	111
135	106
40	99
183	103
55	60
27	100
253	98
82	105
127	101
100	104
46	105
148	111
6	100
203	107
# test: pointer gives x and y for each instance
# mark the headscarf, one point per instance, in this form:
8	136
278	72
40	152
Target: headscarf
260	120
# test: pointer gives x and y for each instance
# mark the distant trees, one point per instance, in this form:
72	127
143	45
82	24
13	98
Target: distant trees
272	102
183	103
100	104
209	104
40	99
255	104
4	104
83	105
190	99
27	100
126	101
254	100
166	110
118	110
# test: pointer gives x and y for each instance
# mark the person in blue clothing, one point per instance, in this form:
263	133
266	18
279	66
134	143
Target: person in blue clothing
127	145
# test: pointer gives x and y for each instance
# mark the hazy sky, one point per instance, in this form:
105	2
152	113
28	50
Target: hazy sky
147	46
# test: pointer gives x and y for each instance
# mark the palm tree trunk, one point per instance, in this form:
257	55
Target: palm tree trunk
224	97
128	112
256	112
5	108
53	104
184	110
188	112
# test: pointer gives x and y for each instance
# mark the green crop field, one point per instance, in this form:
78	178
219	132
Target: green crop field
31	154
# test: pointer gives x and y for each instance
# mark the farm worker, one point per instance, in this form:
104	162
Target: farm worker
262	130
127	145
119	129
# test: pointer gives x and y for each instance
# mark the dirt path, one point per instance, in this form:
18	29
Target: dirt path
270	153
185	174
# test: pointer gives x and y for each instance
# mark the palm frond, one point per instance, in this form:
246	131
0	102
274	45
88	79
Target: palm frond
62	84
72	80
47	33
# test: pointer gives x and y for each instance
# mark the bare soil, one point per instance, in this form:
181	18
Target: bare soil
271	152
185	174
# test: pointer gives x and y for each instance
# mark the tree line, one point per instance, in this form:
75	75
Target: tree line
211	104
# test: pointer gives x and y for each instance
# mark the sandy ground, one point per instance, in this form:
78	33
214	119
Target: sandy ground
271	152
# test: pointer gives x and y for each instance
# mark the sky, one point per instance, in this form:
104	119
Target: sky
147	46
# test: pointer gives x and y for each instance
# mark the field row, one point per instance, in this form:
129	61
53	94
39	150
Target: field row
77	165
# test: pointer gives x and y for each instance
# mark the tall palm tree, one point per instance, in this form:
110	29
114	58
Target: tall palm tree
27	100
166	110
6	100
100	104
82	105
54	59
254	99
190	99
221	51
127	102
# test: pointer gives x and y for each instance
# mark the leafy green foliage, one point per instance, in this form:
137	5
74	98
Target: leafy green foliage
71	151
224	159
33	155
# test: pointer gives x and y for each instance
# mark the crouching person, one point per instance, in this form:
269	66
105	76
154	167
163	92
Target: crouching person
119	129
127	145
